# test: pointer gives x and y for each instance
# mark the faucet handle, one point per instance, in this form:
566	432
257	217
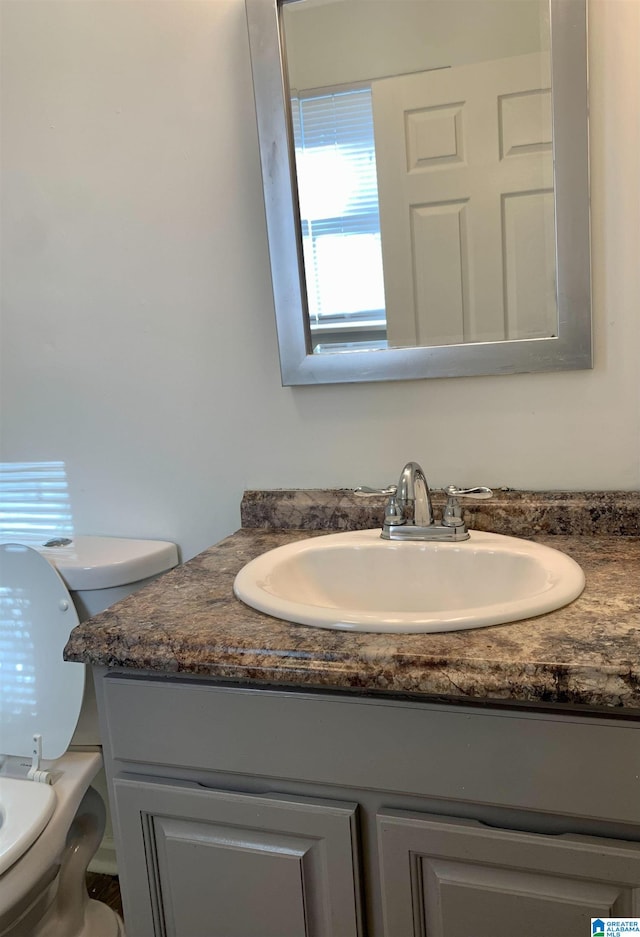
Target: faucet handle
479	493
452	514
392	510
365	492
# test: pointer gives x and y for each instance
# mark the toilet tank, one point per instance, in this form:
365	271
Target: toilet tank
98	572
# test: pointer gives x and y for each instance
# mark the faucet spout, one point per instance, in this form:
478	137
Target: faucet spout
414	497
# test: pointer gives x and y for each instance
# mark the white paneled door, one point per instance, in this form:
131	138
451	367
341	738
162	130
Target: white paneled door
465	178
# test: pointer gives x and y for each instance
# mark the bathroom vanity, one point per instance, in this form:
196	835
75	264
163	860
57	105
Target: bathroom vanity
271	779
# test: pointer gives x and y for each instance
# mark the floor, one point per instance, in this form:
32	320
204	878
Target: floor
105	888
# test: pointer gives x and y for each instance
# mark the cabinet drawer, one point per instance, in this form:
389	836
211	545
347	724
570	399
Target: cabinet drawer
568	765
225	864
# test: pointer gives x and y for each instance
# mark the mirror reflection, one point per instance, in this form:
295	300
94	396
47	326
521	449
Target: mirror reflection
424	165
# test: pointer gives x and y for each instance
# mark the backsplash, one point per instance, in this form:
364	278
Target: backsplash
517	513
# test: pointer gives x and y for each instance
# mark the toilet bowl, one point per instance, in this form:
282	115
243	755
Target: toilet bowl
51	818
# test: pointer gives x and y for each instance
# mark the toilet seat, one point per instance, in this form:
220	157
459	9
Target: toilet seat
25	810
40	693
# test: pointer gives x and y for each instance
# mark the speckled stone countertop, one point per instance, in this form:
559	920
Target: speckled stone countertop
588	653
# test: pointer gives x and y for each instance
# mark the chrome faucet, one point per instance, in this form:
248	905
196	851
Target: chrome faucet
409	514
413	497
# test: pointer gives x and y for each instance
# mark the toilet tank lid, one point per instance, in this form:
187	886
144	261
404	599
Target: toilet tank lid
105	562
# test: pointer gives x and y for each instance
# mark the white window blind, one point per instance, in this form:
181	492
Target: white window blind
34	502
338	194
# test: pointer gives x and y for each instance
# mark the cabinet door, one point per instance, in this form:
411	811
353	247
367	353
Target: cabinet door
198	862
458	878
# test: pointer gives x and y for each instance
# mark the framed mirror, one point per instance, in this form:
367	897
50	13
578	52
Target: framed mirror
426	185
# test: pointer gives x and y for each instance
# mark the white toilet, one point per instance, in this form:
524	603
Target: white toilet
51	818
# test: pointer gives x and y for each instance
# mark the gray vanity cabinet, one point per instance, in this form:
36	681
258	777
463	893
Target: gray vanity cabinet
209	863
266	812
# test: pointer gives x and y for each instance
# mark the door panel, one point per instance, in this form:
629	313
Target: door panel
241	881
479	137
226	864
444	877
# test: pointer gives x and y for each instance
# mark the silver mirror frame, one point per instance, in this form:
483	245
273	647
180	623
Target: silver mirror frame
570	350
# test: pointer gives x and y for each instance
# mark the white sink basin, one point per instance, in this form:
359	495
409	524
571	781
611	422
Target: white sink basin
358	582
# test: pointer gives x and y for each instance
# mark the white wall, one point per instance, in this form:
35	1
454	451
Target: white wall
325	43
138	334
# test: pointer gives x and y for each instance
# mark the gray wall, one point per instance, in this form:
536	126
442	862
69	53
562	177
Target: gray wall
138	334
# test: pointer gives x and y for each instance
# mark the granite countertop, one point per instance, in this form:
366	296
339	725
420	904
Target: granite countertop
588	653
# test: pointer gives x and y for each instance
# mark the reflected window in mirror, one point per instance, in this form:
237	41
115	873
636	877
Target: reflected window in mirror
339	216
